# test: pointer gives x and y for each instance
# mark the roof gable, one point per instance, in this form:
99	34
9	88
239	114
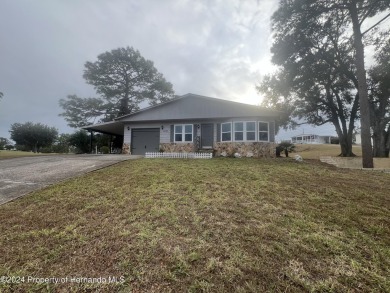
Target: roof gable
192	106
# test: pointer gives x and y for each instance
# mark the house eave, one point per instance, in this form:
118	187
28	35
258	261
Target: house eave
197	119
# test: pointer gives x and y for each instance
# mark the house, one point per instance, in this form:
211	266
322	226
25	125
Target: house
312	139
358	138
196	123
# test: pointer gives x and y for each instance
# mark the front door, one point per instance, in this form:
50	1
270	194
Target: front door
207	136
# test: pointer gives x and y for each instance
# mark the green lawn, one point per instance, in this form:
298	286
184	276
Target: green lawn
16	154
220	225
315	151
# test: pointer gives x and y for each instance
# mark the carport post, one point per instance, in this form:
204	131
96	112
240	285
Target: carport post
91	142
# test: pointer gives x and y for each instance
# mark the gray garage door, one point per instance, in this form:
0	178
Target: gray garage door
145	140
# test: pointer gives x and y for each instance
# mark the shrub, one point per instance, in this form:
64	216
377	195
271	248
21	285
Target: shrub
46	150
286	147
334	140
104	149
9	147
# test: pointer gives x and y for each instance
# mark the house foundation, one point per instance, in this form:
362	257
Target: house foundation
245	149
177	147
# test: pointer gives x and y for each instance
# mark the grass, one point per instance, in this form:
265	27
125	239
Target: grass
220	225
16	154
314	151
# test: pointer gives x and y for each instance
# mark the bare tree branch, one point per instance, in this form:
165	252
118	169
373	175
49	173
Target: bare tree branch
375	24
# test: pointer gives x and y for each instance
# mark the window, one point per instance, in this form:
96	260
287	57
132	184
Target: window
263	131
250	131
183	133
245	131
226	131
238	131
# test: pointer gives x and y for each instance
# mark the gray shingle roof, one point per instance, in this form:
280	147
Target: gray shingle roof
191	106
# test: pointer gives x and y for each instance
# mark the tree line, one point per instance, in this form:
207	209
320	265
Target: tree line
38	137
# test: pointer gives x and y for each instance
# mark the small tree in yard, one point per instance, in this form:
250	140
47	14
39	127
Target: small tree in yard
105	149
33	136
286	147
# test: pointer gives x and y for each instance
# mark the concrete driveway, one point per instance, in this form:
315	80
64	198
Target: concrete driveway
22	175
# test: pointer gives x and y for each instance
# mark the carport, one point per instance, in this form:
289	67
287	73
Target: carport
142	139
114	128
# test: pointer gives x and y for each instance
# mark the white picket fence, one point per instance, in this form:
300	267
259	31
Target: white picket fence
179	155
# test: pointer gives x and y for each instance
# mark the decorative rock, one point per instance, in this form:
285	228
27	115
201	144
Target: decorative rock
126	149
298	158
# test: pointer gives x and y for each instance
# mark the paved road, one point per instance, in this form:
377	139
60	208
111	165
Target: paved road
22	175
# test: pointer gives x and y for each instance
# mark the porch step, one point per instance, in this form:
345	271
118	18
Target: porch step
205	151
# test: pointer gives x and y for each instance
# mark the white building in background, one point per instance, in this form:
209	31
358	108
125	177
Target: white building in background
358	138
311	139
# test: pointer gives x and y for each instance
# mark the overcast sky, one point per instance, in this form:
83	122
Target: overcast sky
213	48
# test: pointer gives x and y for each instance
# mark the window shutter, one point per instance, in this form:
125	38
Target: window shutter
218	132
172	132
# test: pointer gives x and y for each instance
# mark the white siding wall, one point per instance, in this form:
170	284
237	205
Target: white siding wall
126	135
165	134
358	138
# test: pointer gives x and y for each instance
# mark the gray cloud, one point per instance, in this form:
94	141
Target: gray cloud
215	48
